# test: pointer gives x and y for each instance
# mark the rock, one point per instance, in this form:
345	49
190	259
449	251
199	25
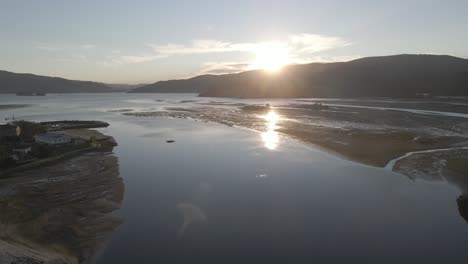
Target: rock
462	202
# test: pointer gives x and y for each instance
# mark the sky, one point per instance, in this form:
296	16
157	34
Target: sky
144	41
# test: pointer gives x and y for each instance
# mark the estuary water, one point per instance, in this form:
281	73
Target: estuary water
222	194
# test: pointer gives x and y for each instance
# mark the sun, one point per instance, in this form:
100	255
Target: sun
271	58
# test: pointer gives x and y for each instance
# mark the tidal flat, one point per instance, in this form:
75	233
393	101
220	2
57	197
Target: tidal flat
370	136
60	213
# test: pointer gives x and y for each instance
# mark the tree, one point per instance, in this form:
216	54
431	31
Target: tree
41	151
3	155
30	129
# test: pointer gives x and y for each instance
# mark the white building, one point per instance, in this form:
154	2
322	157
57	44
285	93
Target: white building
53	138
20	152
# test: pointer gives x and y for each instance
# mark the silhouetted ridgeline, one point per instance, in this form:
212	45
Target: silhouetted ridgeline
28	83
389	76
197	84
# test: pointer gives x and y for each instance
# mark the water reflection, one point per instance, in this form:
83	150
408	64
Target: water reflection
270	137
191	214
61	213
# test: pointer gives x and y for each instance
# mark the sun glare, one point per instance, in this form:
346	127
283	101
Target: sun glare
271	58
271	137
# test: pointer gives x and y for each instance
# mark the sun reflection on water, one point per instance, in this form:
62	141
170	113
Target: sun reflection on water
270	137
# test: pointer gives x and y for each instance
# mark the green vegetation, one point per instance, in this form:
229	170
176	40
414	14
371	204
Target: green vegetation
5	160
3	154
45	154
30	129
42	151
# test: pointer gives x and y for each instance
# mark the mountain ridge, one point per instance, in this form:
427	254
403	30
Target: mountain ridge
403	75
11	82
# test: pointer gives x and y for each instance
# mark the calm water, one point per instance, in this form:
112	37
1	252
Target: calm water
253	203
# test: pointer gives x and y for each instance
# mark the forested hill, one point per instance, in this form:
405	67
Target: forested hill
387	76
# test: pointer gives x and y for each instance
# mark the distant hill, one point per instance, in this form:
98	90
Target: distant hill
29	83
121	87
197	84
388	76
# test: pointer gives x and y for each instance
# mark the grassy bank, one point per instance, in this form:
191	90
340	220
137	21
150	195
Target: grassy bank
46	161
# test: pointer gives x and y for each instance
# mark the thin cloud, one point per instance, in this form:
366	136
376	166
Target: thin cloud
219	68
47	48
197	47
136	59
223	67
74	58
297	45
325	59
312	43
88	46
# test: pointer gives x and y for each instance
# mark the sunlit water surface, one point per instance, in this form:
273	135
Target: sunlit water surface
221	194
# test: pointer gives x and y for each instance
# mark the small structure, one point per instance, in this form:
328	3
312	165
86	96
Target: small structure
53	138
20	152
423	95
9	130
78	141
22	149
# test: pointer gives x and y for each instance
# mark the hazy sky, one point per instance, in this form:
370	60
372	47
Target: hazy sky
145	41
